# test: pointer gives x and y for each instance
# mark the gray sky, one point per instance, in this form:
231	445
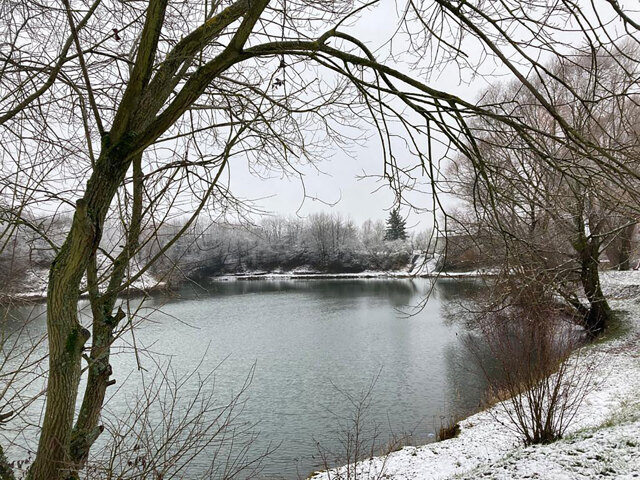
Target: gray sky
340	183
334	188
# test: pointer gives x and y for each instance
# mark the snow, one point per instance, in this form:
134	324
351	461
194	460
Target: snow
621	285
34	285
422	265
311	274
603	441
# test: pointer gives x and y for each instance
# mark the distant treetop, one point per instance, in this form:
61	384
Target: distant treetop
396	226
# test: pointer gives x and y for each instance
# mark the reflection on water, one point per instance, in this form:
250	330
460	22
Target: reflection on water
397	292
308	338
450	289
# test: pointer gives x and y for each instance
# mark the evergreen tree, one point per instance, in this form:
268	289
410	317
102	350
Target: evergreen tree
396	226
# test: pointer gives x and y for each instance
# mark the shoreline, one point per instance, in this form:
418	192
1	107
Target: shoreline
602	440
312	275
27	297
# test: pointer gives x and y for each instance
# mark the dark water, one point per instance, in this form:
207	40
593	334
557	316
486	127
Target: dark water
309	345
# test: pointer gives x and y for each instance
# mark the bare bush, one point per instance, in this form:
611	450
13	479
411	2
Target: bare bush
532	373
177	426
22	371
359	440
449	428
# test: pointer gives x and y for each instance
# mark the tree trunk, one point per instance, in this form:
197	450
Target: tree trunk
599	314
66	336
66	340
623	257
87	428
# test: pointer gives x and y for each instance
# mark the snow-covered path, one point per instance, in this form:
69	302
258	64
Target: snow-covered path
602	442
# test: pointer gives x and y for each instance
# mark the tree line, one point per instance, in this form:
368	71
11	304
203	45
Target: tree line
321	242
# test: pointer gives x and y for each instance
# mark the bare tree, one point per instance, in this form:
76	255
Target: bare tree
136	109
359	441
549	225
529	370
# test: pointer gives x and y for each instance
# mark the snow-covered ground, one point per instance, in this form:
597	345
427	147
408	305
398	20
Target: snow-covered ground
421	265
34	285
602	442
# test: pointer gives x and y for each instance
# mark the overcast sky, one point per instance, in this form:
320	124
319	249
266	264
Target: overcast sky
340	181
337	181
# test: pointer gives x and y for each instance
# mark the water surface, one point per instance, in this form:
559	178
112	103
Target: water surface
309	344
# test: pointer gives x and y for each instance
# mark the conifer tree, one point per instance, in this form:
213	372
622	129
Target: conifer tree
396	226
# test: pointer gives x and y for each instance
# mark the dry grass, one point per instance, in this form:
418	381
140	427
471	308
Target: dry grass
445	432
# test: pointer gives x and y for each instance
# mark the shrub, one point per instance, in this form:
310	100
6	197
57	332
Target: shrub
529	369
450	429
359	441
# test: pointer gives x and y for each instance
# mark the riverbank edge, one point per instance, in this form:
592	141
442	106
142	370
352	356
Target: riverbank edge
27	297
311	275
487	448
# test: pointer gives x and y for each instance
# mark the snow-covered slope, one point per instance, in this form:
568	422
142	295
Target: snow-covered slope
602	442
34	285
421	265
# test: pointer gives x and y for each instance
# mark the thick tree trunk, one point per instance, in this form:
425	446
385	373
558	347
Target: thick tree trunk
65	334
87	428
599	314
66	341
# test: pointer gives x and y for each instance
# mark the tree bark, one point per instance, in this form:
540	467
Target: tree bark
599	314
66	336
66	340
87	428
623	257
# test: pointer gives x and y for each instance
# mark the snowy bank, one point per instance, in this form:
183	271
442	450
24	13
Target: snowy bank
602	442
421	266
33	287
297	275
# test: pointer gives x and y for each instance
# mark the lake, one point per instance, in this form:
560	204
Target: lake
312	349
